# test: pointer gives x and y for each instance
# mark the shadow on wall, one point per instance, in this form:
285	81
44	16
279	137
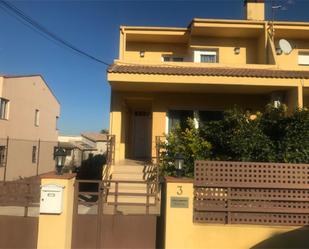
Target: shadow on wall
296	239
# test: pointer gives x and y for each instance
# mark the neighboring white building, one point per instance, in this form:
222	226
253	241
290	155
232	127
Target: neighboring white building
98	140
81	147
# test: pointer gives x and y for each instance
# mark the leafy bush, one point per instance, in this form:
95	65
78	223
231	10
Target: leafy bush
239	137
189	143
295	143
272	136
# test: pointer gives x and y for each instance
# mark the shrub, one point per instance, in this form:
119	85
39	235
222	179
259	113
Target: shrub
273	123
238	137
189	143
241	136
295	143
250	144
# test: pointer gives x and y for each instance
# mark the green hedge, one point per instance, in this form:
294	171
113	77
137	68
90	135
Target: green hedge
270	136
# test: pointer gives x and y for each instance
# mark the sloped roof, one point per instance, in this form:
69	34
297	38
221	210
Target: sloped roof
77	145
10	76
67	145
84	146
95	136
208	71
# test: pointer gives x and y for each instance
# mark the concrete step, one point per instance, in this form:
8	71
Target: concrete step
129	169
128	176
132	162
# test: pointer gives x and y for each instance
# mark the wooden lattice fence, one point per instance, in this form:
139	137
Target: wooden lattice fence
251	193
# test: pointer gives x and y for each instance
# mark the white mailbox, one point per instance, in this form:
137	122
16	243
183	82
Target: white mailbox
51	199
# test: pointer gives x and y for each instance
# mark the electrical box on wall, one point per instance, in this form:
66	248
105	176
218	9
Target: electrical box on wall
51	199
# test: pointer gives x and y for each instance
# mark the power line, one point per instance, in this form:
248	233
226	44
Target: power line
42	30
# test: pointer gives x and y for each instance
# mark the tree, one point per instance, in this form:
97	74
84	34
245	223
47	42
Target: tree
104	131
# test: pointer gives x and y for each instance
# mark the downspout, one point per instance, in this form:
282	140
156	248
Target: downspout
38	158
6	158
122	43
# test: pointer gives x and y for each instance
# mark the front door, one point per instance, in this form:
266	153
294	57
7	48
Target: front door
141	134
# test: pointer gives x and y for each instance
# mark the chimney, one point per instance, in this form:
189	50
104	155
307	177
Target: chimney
255	10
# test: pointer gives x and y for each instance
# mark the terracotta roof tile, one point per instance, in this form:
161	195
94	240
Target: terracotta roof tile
96	137
208	71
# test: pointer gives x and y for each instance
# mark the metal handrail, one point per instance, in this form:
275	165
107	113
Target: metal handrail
103	188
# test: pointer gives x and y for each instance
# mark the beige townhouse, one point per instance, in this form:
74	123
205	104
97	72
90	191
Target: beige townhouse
28	126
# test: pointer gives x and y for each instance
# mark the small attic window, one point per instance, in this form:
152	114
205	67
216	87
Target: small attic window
303	58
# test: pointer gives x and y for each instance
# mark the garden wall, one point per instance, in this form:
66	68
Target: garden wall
181	232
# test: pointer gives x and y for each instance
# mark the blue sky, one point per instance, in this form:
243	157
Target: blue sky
79	83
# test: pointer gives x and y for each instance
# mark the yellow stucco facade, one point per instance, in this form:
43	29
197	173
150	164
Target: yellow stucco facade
55	230
250	44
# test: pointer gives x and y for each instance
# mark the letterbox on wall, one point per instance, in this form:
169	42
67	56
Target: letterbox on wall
51	199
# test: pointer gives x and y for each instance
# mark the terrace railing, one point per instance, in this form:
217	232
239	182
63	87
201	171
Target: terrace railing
96	193
106	193
159	141
110	157
251	193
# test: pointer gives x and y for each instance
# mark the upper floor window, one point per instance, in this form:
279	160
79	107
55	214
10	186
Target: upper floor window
4	105
166	58
205	56
34	156
303	58
37	117
2	155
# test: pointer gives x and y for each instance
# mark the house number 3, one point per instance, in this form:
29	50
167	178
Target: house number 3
179	190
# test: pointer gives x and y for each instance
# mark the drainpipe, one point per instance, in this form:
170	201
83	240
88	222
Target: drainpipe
6	157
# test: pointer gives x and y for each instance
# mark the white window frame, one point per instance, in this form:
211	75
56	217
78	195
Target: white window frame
198	53
303	58
195	119
5	108
166	122
37	117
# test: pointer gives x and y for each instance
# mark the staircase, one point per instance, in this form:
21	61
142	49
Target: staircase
128	191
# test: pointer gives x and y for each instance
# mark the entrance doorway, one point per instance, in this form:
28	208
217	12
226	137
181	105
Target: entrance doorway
141	134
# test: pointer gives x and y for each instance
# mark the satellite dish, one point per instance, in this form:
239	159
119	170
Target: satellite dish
285	46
